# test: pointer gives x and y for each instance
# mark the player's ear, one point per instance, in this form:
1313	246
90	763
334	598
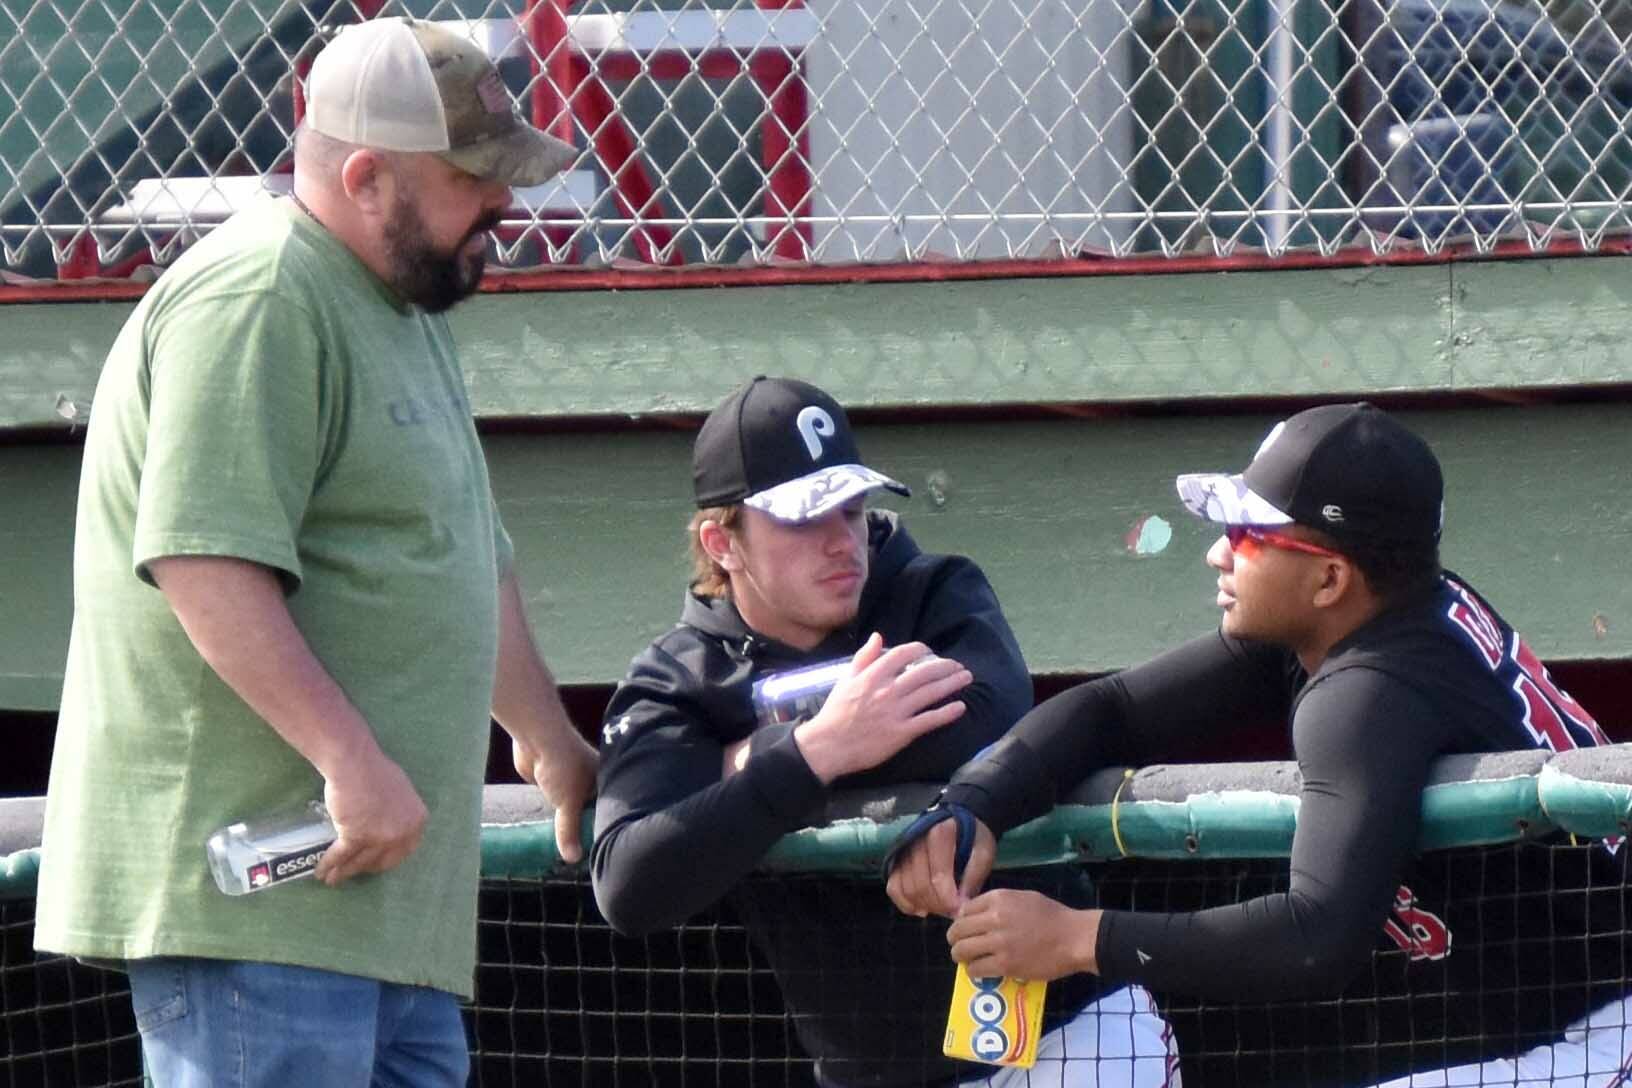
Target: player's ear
720	544
1339	580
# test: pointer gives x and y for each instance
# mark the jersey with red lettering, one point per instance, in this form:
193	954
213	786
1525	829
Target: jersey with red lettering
1492	951
1457	954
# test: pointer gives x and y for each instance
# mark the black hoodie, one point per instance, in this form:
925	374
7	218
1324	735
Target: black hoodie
868	987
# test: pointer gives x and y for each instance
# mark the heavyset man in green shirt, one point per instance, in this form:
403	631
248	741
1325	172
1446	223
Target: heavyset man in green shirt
291	583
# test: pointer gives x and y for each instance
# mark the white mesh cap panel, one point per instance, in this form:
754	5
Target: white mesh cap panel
373	86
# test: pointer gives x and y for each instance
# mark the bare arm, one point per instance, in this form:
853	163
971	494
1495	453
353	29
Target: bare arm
548	750
234	613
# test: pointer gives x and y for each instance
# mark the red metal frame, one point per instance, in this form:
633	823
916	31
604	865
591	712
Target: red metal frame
788	194
785	144
83	261
571	86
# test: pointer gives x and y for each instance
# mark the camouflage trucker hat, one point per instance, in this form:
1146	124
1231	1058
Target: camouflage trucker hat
402	84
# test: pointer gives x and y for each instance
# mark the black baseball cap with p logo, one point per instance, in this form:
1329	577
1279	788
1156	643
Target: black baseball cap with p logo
783	447
1350	470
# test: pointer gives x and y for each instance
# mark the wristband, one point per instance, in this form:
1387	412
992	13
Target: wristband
939	812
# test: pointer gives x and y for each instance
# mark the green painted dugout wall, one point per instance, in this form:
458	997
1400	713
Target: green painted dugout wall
1536	515
1448	327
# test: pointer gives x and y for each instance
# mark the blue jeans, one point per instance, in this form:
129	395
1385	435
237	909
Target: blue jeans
231	1024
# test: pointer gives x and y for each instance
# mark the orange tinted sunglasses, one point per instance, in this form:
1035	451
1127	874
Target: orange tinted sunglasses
1269	538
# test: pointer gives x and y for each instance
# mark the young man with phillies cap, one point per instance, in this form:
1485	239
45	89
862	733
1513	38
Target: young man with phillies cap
1337	614
791	569
291	583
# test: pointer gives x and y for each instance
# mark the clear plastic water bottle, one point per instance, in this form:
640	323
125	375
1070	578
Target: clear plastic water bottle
797	694
257	854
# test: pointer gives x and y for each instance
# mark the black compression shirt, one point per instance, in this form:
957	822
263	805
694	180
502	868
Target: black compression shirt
1444	675
1357	823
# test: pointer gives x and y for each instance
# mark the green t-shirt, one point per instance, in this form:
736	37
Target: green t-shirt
270	399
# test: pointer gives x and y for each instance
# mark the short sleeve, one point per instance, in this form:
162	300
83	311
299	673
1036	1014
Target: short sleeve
235	432
504	552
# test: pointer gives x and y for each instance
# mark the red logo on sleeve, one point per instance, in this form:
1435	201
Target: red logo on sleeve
1421	933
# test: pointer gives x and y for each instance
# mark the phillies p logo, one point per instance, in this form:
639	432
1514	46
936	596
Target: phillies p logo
814	425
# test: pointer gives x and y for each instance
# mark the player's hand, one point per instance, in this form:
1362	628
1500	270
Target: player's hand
890	698
378	814
1023	934
566	774
922	881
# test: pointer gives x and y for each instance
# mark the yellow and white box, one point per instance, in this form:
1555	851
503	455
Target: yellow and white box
994	1020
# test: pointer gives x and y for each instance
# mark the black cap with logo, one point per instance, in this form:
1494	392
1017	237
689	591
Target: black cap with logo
784	447
1350	470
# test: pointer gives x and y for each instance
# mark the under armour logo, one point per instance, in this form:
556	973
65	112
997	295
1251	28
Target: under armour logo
814	425
1332	512
617	728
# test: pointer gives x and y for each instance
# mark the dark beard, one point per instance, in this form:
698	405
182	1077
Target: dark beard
430	278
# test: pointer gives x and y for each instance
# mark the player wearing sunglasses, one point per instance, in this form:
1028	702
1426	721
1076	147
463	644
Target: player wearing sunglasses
1336	615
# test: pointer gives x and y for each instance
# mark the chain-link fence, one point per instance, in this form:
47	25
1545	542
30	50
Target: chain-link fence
760	132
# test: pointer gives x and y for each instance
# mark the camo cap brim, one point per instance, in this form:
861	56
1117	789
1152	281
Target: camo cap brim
485	134
524	157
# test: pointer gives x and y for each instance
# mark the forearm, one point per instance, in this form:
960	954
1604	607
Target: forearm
526	701
234	613
1208	684
1364	745
1271	948
1044	755
658	868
